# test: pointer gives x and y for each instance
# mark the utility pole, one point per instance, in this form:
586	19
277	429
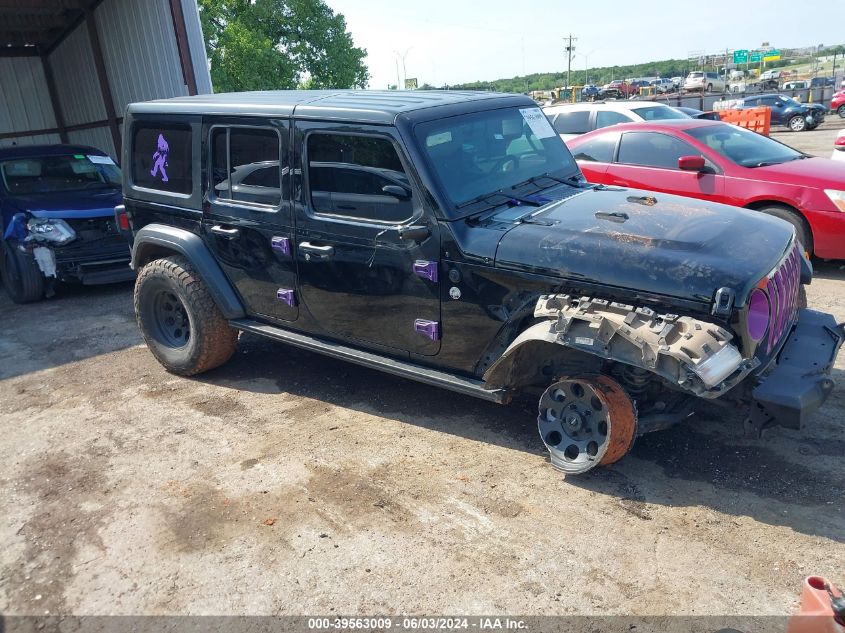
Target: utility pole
569	48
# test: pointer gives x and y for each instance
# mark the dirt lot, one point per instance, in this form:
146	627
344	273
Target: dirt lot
289	483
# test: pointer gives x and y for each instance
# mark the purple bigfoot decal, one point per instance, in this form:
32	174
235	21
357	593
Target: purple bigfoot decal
160	158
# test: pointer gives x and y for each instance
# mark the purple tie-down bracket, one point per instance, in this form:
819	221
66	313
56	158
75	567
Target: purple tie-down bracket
287	296
426	270
280	244
430	329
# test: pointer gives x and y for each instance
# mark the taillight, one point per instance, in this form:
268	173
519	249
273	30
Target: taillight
123	220
840	141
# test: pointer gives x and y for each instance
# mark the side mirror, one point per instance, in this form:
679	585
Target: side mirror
396	191
691	163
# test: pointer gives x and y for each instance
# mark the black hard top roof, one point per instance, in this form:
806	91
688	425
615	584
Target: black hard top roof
373	106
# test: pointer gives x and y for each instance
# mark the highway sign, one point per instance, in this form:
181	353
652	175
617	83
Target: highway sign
740	57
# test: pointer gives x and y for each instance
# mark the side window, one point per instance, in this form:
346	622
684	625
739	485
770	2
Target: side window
358	177
161	157
651	149
599	149
608	117
577	122
246	165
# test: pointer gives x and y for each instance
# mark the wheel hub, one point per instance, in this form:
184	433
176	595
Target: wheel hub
586	422
172	319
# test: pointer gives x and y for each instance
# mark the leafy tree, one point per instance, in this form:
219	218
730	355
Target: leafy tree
279	44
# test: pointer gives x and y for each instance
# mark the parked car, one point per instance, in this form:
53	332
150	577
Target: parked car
837	103
770	79
693	113
571	119
839	147
796	85
678	82
618	90
57	219
786	111
728	164
590	93
662	86
509	272
821	82
704	81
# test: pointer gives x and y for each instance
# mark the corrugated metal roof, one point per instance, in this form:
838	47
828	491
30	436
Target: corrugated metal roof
99	137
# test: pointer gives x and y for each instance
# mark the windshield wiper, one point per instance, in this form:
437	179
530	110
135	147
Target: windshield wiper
481	198
534	179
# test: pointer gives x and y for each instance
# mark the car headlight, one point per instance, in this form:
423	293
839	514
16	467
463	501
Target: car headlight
837	198
55	231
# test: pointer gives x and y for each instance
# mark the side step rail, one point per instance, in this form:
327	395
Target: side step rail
405	369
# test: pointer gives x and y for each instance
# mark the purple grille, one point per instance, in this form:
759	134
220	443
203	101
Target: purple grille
426	270
782	289
430	329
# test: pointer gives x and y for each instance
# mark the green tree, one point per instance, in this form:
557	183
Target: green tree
279	44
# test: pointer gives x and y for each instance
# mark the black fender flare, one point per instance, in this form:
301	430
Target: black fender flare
159	240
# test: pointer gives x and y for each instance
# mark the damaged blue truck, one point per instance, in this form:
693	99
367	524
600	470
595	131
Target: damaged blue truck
450	238
57	219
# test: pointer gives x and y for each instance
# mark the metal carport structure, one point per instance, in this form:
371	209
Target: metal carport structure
68	68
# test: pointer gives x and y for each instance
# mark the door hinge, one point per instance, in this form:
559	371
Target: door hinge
430	329
287	296
426	270
280	244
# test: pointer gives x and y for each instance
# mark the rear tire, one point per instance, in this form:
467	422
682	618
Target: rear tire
841	111
179	320
797	123
802	229
21	276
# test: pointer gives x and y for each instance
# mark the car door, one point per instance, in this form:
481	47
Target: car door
649	160
777	107
247	219
367	250
595	155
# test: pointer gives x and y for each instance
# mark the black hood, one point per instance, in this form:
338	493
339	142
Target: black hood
654	243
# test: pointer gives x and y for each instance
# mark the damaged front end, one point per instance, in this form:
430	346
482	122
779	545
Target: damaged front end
692	355
83	250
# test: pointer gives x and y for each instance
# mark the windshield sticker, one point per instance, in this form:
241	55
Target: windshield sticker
438	139
79	157
100	160
538	122
160	159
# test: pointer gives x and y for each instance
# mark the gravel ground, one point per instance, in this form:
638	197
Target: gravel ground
289	483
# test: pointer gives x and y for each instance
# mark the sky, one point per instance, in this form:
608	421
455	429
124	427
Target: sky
456	41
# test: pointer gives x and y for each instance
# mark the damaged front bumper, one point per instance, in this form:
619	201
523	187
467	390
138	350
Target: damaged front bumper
799	381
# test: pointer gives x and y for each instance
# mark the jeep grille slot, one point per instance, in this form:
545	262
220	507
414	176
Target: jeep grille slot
782	289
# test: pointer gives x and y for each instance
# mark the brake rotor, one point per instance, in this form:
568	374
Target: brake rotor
586	421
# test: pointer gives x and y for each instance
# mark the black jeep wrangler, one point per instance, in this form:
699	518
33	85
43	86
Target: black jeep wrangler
449	237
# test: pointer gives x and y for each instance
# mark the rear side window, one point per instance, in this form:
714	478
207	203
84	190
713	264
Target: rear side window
651	149
162	157
577	122
246	165
608	117
358	177
598	150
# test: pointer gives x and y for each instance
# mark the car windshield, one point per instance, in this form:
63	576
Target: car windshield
485	152
656	113
53	174
744	147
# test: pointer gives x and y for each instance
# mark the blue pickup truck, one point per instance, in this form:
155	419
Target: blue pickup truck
57	219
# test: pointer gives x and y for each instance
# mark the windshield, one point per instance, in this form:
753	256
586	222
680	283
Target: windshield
484	152
657	113
744	147
51	174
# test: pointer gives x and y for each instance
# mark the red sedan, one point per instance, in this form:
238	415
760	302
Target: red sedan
723	163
